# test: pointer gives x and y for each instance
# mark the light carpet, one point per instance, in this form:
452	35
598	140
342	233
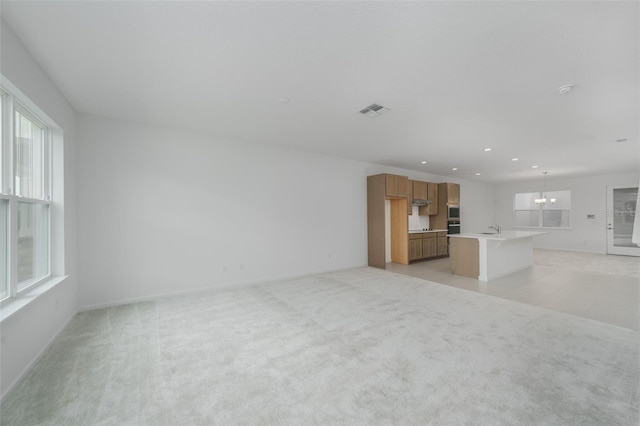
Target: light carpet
359	347
593	263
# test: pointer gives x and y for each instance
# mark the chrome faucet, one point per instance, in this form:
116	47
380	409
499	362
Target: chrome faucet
497	228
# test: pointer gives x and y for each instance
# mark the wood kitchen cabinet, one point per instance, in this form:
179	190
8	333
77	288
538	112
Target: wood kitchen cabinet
399	187
415	246
396	186
453	193
443	244
429	245
465	258
409	197
420	190
395	189
448	194
432	194
426	245
426	191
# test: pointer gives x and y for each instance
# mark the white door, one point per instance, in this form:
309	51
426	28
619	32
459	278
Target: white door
621	212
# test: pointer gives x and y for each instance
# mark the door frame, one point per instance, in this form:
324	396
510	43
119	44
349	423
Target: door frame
611	247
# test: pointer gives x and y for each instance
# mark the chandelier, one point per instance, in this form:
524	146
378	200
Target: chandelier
544	199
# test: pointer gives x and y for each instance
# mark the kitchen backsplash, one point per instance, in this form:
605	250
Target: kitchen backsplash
418	222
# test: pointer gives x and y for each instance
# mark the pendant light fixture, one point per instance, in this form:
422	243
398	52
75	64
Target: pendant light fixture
543	200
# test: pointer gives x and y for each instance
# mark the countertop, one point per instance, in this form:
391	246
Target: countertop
418	231
503	236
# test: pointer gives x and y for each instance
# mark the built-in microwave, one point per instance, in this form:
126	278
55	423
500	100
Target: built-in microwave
454	212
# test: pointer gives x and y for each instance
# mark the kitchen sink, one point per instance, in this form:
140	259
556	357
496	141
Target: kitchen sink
489	233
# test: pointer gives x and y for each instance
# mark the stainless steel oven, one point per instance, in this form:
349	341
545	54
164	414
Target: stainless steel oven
453	227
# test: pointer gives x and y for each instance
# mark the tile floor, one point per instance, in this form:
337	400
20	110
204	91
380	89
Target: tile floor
599	287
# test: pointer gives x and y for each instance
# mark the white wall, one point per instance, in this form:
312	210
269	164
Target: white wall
588	196
28	332
162	211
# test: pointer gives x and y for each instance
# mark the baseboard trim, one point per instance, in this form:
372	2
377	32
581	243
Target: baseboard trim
218	286
574	250
39	355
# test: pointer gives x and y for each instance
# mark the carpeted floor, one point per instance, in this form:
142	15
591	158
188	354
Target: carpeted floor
357	347
626	266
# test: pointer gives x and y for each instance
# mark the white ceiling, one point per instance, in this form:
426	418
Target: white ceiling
457	76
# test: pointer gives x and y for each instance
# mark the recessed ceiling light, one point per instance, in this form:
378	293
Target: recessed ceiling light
563	90
423	162
454	169
621	140
478	174
514	159
487	149
534	167
284	100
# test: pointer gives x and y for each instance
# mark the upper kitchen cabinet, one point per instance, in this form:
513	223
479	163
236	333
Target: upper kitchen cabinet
396	186
453	193
426	191
420	190
448	193
432	194
409	197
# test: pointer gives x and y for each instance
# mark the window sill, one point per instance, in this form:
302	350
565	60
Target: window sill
16	305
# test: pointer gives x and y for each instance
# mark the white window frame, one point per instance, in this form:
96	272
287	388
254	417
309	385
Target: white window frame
540	208
14	101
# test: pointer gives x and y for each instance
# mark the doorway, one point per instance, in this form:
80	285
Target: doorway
622	204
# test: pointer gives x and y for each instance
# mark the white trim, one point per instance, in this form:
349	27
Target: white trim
39	355
12	306
611	248
569	249
24	199
541	209
5	291
16	102
11	248
24	100
6	179
214	287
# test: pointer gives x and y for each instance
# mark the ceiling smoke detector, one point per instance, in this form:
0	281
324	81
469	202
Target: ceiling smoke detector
374	110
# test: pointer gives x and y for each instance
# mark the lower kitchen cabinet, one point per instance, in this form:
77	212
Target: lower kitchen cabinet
427	244
443	244
415	246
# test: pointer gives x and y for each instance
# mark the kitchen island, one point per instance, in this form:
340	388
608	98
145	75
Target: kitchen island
487	256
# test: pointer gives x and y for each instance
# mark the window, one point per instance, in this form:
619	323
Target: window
551	209
29	152
4	252
25	197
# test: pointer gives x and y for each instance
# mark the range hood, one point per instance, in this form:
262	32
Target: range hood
418	202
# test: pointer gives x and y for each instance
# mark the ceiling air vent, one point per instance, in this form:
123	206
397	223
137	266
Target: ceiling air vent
374	110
